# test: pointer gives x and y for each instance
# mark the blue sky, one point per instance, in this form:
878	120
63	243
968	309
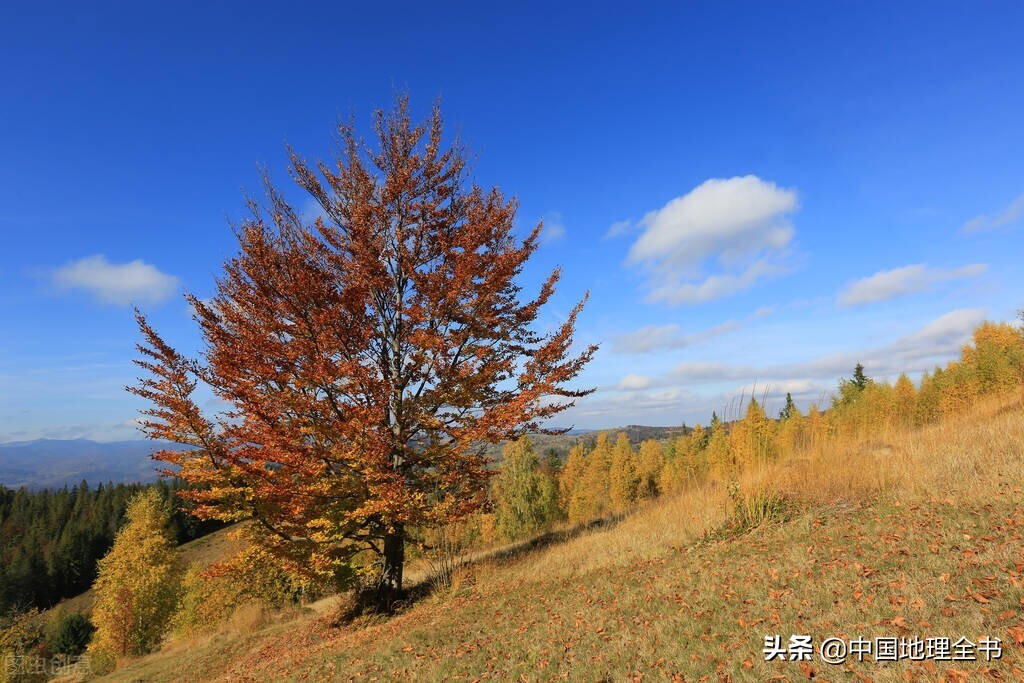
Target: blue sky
752	192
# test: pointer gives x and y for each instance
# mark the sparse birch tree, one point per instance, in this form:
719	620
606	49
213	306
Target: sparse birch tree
525	497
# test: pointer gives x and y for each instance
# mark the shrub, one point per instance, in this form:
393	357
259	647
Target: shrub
69	634
750	510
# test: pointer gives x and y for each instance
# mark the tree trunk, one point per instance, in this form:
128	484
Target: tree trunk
394	562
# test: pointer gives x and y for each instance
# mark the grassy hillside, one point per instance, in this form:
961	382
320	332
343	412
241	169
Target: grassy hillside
916	535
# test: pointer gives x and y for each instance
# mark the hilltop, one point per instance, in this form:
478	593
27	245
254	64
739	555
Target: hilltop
919	534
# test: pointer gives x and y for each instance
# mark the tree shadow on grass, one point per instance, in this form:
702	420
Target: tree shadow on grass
364	604
522	549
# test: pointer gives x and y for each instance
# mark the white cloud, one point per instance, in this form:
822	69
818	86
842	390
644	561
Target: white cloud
668	337
554	228
663	406
674	292
779	388
633	382
1013	212
620	228
716	240
939	340
936	342
118	284
889	284
944	336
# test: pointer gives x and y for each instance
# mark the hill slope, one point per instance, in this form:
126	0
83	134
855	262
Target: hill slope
925	538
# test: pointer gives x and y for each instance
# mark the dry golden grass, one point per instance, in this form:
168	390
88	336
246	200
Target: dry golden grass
916	532
964	456
671	522
939	459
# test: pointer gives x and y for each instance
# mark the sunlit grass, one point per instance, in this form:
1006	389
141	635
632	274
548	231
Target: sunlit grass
914	532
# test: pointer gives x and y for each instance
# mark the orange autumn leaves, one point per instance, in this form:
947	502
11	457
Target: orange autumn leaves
363	355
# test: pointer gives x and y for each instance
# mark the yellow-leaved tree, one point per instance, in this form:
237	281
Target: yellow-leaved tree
791	431
652	460
905	399
590	495
136	586
996	360
750	441
623	478
687	459
717	449
571	474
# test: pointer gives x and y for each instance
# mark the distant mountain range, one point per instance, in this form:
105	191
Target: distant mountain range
53	463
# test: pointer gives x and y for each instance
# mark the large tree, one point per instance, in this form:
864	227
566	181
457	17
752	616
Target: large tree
365	354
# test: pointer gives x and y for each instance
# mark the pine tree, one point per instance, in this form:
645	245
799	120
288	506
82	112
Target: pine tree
551	463
68	633
51	540
860	380
789	410
136	587
851	389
